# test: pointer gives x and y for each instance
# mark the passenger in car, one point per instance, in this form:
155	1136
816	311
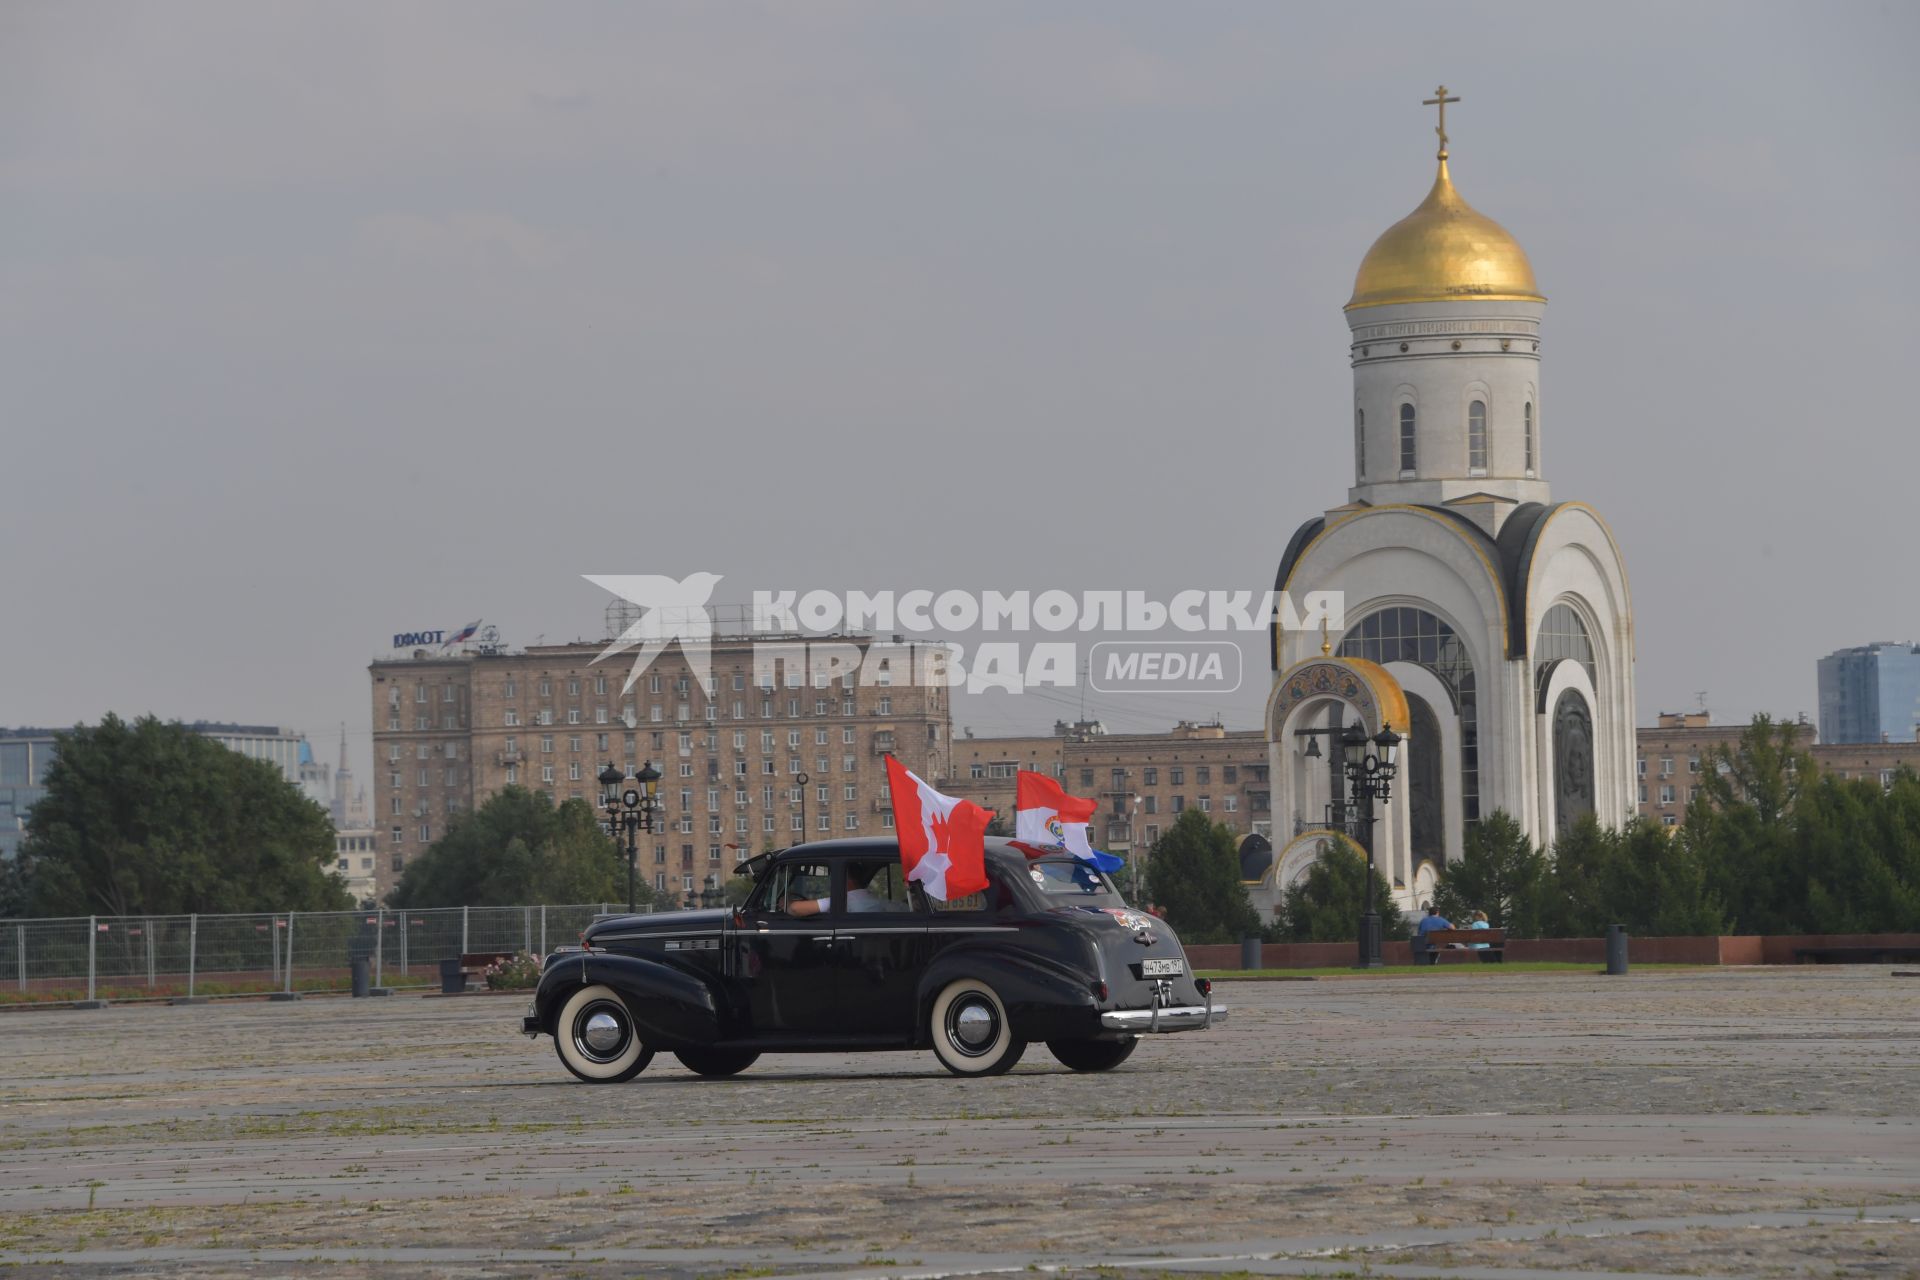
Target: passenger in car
859	897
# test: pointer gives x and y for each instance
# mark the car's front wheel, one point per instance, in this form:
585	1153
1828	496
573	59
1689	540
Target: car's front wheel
716	1062
1092	1055
971	1033
596	1038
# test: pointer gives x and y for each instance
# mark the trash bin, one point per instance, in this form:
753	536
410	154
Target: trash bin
1250	952
361	974
1616	948
452	981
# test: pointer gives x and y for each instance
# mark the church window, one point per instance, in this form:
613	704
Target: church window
1406	440
1529	433
1562	636
1477	437
1360	442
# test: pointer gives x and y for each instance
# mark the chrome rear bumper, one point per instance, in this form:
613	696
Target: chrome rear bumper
1179	1017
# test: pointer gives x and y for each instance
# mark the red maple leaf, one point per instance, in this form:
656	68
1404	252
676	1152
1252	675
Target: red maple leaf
940	826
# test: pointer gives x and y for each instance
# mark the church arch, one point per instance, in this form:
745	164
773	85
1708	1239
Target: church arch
1423	784
1410	634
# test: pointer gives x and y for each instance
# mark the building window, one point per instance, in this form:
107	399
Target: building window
1177	776
1529	435
1407	458
1666	794
1360	442
1477	438
1150	776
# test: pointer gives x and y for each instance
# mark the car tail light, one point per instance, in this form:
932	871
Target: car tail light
1203	985
1099	990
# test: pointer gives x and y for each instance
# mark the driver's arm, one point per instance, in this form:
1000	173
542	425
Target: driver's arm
806	907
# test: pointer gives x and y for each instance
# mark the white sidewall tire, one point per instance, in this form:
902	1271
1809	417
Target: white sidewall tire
628	1063
999	1054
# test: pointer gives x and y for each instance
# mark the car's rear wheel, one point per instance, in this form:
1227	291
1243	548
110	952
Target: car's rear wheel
596	1038
971	1033
716	1062
1093	1055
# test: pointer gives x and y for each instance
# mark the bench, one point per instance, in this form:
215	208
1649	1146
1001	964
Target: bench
1459	944
471	965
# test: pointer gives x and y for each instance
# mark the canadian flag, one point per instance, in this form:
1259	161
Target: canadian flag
943	839
1048	820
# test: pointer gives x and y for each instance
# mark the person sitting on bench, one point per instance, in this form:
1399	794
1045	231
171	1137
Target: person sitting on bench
1479	922
1433	920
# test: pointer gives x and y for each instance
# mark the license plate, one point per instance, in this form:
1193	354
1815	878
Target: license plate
1162	968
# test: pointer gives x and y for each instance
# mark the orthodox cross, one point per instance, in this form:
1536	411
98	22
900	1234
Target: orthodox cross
1440	100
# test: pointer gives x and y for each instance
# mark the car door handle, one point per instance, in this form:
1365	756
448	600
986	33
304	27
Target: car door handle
823	937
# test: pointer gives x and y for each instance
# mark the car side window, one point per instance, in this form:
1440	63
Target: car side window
791	882
885	888
995	898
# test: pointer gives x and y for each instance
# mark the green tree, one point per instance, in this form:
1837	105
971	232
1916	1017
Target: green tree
150	818
1500	872
1326	903
518	848
1743	833
1193	876
1645	876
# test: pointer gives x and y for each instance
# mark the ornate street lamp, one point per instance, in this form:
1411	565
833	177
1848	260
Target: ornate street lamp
1370	765
630	809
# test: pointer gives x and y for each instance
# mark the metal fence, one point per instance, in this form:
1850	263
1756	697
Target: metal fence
125	957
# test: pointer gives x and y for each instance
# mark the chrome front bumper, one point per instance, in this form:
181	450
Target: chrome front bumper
1179	1017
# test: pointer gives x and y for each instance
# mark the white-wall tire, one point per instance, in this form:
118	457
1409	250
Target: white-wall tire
970	1030
596	1037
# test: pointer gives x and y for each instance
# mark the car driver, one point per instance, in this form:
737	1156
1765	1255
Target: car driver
859	897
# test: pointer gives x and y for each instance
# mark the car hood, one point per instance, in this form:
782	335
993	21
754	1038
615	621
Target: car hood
657	922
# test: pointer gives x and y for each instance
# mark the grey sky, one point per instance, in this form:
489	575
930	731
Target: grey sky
319	322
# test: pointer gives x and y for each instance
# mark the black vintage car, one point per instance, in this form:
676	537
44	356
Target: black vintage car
835	950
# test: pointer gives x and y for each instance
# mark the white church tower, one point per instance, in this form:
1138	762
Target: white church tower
1485	622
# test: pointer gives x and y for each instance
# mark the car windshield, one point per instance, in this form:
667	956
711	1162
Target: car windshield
1075	880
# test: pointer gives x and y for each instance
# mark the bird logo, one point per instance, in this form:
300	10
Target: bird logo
670	610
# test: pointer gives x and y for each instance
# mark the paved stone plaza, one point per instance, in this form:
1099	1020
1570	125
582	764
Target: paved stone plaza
1457	1123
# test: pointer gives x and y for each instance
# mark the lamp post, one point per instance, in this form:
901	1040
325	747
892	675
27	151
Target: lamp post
631	809
1370	764
801	780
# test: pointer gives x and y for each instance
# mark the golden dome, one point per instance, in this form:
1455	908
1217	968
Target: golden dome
1444	251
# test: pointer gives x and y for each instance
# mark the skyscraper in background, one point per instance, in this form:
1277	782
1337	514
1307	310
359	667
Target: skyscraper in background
1870	693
